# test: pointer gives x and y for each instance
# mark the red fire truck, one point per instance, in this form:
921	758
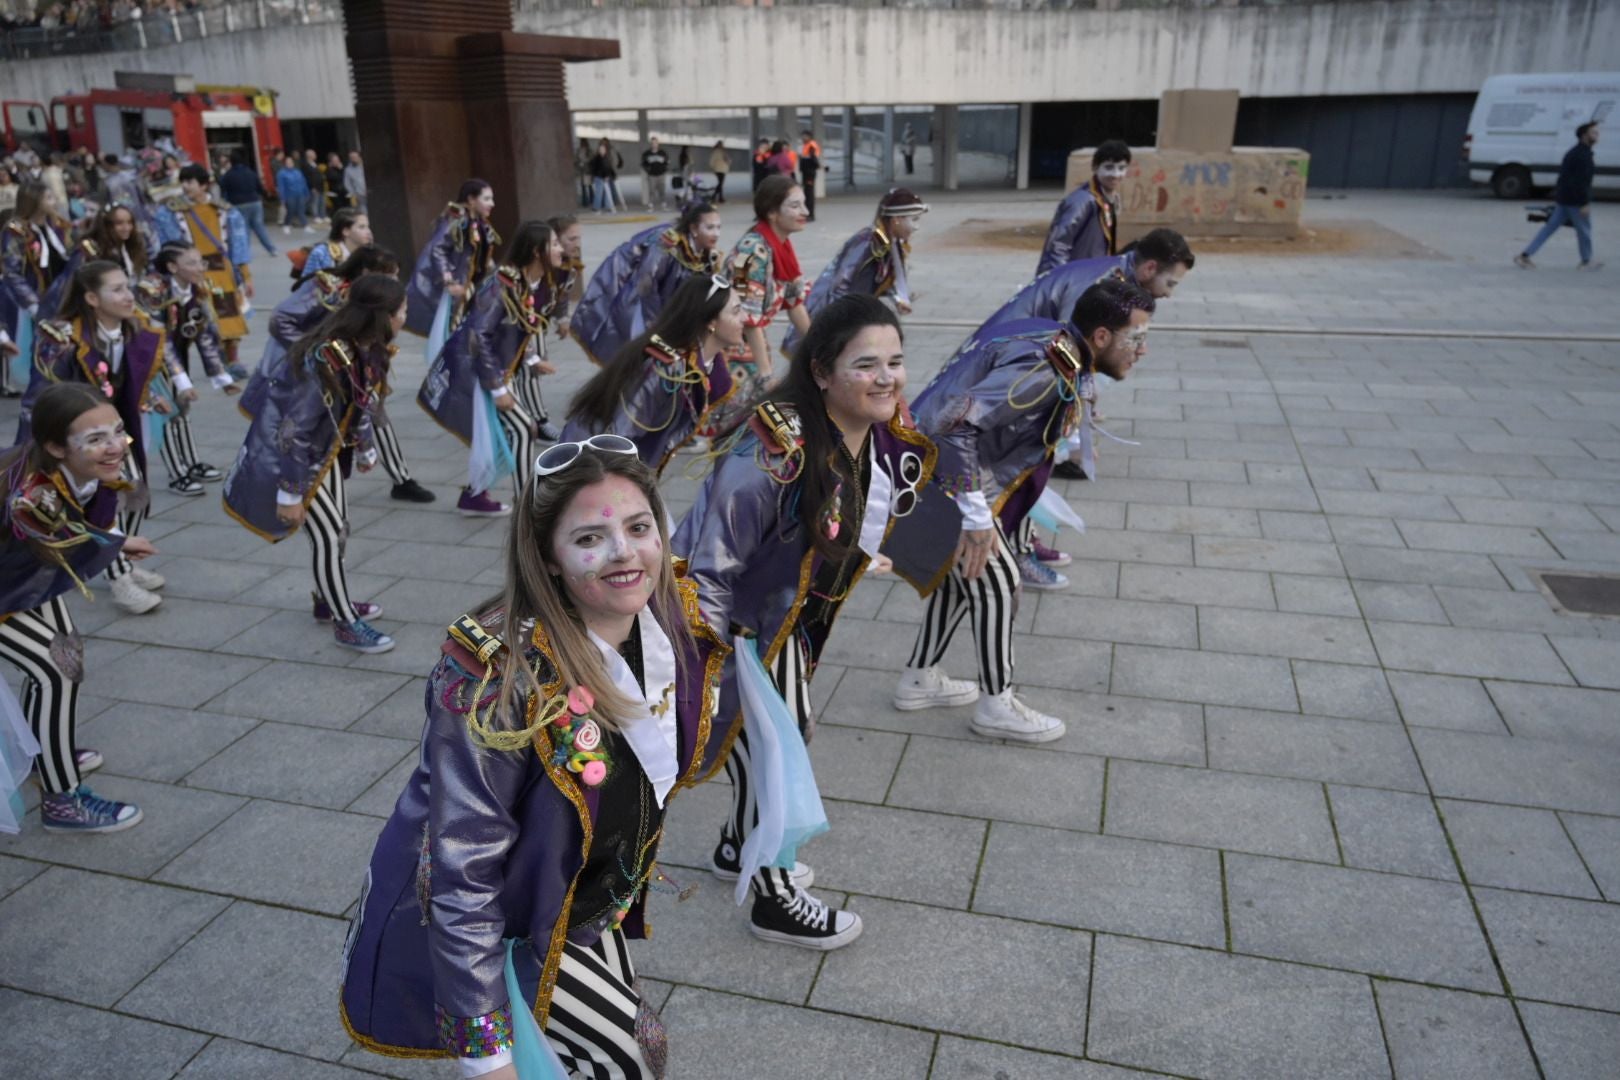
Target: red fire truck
143	110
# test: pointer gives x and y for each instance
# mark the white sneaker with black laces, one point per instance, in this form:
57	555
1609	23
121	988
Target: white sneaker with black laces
930	687
799	919
1003	716
187	485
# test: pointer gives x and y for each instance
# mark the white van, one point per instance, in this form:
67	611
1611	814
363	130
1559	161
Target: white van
1523	125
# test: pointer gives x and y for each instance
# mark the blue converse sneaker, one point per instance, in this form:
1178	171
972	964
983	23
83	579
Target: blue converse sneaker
83	811
1035	574
363	609
361	636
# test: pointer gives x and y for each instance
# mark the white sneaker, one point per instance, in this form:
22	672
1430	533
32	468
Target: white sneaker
286	230
146	579
1005	717
131	598
924	688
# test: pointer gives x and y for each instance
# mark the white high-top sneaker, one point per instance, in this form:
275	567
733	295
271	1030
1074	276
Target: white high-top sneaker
923	688
131	597
147	579
1005	717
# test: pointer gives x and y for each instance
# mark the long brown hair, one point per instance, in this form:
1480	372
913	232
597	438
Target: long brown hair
31	201
533	595
101	232
53	414
88	279
366	320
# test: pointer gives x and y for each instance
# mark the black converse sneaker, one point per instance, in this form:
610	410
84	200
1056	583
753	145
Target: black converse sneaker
797	918
727	864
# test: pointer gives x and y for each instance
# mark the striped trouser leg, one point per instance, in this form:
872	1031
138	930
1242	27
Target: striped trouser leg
989	602
526	385
179	452
790	674
519	427
326	525
51	698
592	1022
1026	535
393	458
129	521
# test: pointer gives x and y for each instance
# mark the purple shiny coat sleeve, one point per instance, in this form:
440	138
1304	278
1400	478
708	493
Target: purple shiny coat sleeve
1073	215
14	270
735	515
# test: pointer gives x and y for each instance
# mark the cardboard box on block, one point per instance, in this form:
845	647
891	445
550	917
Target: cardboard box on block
1200	120
1245	191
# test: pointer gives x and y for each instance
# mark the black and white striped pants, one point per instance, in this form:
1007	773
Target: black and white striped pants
50	696
129	521
526	385
326	523
179	451
393	458
991	599
790	674
519	425
592	1022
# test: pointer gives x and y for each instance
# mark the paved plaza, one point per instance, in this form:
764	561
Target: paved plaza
1340	793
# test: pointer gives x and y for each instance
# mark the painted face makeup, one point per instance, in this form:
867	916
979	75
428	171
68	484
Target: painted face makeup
708	232
96	445
1128	346
792	215
1111	173
608	551
867	379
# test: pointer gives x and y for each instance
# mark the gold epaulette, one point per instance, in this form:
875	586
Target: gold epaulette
56	329
1063	356
88	246
782	427
479	643
177	203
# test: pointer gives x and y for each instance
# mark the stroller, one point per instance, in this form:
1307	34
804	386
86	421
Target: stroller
691	190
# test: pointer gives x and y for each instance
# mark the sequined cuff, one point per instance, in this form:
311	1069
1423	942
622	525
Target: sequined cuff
475	1036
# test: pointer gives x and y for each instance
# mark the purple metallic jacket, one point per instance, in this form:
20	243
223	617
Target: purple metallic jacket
748	546
632	286
22	282
996	412
1053	295
460	246
312	419
42	506
294	317
485	845
668	407
485	350
1082	228
869	263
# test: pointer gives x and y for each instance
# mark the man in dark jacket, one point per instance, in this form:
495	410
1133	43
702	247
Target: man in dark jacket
1573	196
242	189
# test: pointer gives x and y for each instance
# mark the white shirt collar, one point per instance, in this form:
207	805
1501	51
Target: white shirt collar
652	737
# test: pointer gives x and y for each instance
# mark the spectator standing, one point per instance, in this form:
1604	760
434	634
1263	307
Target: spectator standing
654	172
337	196
720	165
809	167
294	192
780	162
1573	198
354	179
240	186
582	170
603	175
316	207
762	154
908	147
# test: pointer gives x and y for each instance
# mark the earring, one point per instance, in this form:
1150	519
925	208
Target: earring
711	328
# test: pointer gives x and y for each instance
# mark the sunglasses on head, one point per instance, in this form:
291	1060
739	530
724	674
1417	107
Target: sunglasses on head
558	456
716	283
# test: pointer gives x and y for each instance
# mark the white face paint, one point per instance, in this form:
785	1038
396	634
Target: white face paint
1113	170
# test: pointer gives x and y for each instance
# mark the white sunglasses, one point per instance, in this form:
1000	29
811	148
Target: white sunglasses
716	283
557	457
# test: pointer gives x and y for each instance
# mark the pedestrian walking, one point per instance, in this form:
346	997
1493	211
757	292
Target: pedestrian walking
654	170
315	208
294	192
720	165
809	167
908	147
241	188
354	179
1572	200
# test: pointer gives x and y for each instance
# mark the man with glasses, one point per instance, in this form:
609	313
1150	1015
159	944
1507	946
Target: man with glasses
998	412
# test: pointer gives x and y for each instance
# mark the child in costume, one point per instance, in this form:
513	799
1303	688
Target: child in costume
455	261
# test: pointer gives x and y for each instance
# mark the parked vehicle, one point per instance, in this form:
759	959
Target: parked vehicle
1522	126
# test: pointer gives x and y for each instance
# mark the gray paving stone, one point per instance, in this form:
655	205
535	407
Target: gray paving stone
1310	595
1397	602
1198	1013
1513	847
1598	841
293	589
1382	924
313	694
898	972
1438	483
220	980
1042	661
160	743
160	676
714	1034
1290	525
968	1059
379	799
1438	1034
1391	830
1387	504
1312	748
898	853
1139	622
1255	496
226	1059
1281	556
1572	1044
295	856
186	624
91	937
1442	650
1360	693
1593	663
1262	814
1599	547
1002	783
211	579
416	650
1555	949
1216	678
1104	726
1174	549
852	763
1197	585
400	715
15	873
174	818
1275	633
1557	515
291	635
1103	883
1419	567
106	1045
1368	531
448	562
1486	539
1445	701
1199	520
1230	472
301	764
1561	713
1529	772
704	941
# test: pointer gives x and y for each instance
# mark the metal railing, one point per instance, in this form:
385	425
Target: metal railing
165	28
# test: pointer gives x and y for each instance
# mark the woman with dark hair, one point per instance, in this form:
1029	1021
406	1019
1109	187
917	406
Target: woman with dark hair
765	270
782	530
101	338
33	253
59	515
564	716
659	390
565	285
312	428
115	235
350	231
635	282
457	258
483	387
